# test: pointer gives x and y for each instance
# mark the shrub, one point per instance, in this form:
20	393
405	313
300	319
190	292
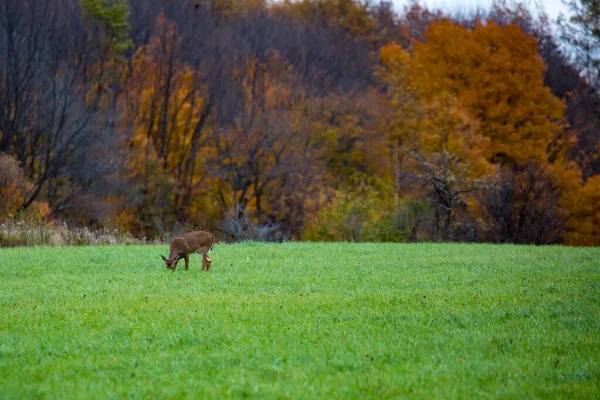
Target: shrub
411	221
13	186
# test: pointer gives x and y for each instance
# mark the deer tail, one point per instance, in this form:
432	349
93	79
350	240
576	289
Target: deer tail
212	245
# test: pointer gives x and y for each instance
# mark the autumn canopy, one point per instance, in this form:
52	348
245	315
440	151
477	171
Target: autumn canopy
308	120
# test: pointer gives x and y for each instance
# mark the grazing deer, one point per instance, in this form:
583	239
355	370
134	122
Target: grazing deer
188	243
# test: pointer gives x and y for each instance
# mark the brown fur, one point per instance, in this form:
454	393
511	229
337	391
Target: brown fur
193	242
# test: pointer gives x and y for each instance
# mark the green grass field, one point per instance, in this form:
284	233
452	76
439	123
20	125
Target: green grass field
301	321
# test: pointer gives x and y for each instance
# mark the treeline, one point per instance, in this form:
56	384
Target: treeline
306	120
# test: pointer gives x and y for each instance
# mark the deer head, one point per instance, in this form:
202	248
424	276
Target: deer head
171	264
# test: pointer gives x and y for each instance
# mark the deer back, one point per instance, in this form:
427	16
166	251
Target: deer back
198	240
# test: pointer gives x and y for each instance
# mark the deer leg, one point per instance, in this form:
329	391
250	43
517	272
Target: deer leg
187	262
203	263
208	262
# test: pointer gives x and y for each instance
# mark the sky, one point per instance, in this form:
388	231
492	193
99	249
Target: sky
552	7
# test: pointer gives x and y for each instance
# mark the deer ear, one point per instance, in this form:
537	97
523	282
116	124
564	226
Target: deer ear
163	257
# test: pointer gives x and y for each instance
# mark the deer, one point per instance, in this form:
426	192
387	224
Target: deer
192	242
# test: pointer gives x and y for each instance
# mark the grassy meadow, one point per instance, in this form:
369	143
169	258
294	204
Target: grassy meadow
301	321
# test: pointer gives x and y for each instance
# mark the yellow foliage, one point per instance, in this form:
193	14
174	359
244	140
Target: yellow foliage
479	95
429	123
497	76
394	57
585	222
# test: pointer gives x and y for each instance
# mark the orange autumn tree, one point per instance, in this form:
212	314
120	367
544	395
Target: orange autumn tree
435	146
266	160
166	104
586	221
495	76
356	192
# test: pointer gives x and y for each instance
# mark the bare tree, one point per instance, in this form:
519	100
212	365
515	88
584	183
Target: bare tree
522	206
45	120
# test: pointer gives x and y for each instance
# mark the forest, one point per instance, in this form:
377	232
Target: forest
313	120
